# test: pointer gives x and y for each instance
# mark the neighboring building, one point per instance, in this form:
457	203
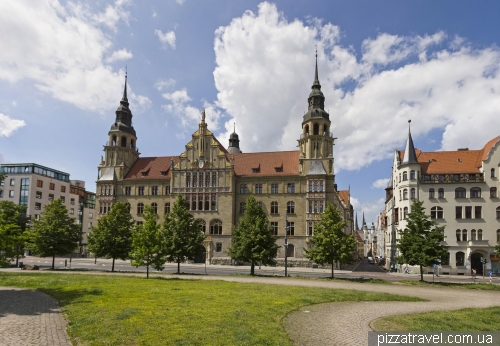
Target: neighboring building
459	190
292	186
35	186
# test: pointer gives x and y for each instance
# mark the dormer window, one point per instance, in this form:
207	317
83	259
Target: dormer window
163	174
278	169
255	170
144	174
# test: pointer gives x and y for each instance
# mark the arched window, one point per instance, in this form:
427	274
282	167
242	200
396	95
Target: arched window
216	226
202	224
464	235
479	234
412	193
405	175
242	207
431	193
316	129
473	234
155	207
441	193
132	144
290	251
167	208
274	207
405	212
475	192
325	129
436	213
140	208
492	173
306	130
124	141
290	207
459	233
460	192
445	260
493	192
460	258
113	142
405	194
498	212
412	174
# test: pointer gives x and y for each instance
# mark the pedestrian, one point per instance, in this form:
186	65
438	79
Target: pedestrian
392	268
407	271
396	267
473	273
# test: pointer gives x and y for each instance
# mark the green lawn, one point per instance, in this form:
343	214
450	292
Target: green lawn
121	310
459	320
471	286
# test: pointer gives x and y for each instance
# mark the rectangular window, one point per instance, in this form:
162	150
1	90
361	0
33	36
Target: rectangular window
72	211
274	226
1	193
214	203
52	186
258	188
63	188
290	230
139	223
90	225
38	206
154	190
91	215
38	194
441	193
39	183
477	212
458	212
274	188
11	193
128	189
291	188
37	217
140	191
12	182
468	212
167	208
167	190
2	183
72	201
51	197
63	199
218	247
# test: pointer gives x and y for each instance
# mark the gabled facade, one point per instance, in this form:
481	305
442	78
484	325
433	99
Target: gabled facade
460	191
292	186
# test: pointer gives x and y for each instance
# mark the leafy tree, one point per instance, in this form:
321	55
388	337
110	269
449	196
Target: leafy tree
112	237
420	242
331	244
55	233
183	235
12	225
253	240
148	242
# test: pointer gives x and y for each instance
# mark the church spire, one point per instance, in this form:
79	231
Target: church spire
410	156
316	99
356	226
234	142
316	80
124	98
364	222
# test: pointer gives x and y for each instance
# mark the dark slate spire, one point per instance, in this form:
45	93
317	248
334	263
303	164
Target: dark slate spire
356	225
364	222
316	100
410	156
234	143
123	121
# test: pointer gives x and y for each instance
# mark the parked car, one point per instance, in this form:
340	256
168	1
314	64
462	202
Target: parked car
370	260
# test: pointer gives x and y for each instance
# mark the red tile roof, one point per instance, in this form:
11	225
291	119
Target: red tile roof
266	163
449	162
152	166
344	195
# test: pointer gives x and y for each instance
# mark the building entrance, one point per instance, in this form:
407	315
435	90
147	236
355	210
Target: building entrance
475	263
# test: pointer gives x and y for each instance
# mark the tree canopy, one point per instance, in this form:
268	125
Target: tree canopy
112	237
253	240
421	241
148	242
330	243
183	234
55	233
12	226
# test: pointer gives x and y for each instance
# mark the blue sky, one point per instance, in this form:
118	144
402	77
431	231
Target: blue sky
62	67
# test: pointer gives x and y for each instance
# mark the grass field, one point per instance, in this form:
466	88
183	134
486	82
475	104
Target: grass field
121	310
459	320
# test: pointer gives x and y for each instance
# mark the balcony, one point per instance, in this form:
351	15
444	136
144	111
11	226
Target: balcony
327	134
451	178
478	243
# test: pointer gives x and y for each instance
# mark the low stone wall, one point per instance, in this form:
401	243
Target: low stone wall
292	263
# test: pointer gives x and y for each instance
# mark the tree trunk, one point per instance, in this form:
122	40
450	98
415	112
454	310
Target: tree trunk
333	263
178	265
53	261
147	271
252	269
113	265
421	274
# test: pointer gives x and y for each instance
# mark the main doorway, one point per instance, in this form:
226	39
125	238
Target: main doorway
475	263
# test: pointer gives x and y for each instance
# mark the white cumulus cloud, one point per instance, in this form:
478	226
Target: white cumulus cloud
380	183
167	38
164	84
8	125
121	54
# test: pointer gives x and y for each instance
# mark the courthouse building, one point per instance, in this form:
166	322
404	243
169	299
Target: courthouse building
291	186
459	190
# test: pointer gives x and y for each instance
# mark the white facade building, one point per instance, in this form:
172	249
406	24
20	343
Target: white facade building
460	191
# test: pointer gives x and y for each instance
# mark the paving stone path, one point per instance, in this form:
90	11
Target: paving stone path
29	318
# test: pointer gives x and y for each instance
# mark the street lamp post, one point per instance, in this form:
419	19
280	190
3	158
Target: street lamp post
286	242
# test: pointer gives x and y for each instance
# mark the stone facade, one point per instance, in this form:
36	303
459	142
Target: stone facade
290	185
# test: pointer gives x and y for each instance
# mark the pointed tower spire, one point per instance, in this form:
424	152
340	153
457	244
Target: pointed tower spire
364	222
124	98
356	226
316	80
410	156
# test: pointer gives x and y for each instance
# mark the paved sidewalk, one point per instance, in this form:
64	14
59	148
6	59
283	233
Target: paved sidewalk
30	318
